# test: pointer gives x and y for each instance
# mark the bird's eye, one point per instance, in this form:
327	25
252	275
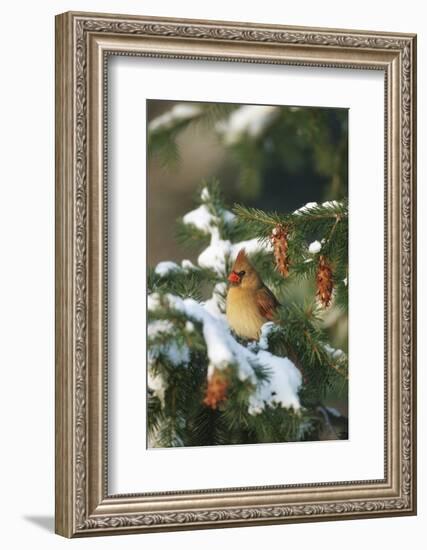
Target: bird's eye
241	273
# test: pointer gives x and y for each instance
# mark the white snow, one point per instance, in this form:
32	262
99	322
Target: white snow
310	205
188	265
189	326
215	256
164	268
228	216
333	411
334	353
250	120
216	304
306	208
345	281
159	326
331	204
266	330
178	113
251	247
224	351
205	195
282	387
177	355
219	251
153	301
200	218
157	385
314	247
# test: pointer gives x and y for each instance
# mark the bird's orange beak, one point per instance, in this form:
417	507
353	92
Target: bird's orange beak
233	277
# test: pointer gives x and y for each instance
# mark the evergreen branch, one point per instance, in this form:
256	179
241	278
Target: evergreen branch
310	212
165	129
180	353
302	338
182	282
190	236
327	223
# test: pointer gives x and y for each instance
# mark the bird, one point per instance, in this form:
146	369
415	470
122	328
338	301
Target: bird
249	302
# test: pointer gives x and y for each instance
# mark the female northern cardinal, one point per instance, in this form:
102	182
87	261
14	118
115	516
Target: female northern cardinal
250	303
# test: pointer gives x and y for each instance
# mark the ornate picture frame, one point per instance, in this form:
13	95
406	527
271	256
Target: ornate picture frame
84	42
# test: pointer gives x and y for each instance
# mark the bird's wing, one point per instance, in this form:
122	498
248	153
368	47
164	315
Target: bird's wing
266	302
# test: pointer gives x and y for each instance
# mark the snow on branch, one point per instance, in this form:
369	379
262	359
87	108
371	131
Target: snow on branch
314	247
194	355
165	268
250	120
168	348
224	351
182	112
210	218
282	387
314	207
216	255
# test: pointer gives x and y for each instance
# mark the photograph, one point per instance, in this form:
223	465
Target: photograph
235	272
247	274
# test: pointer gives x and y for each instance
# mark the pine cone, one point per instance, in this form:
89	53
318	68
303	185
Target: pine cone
324	282
216	392
279	239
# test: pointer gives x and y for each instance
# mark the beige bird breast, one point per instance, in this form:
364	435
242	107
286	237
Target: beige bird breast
243	314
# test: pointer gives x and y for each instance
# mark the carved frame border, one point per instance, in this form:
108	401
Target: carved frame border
83	43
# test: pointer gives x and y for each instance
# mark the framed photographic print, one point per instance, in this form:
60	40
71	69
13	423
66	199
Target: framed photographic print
235	274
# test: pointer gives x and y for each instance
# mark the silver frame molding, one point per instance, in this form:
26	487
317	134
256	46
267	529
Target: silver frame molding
83	43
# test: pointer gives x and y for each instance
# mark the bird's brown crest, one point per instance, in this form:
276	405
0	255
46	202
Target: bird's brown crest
241	255
241	262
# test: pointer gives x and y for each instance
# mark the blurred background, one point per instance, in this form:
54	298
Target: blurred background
276	158
269	157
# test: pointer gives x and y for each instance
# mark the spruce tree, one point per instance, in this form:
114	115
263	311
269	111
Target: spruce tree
206	386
